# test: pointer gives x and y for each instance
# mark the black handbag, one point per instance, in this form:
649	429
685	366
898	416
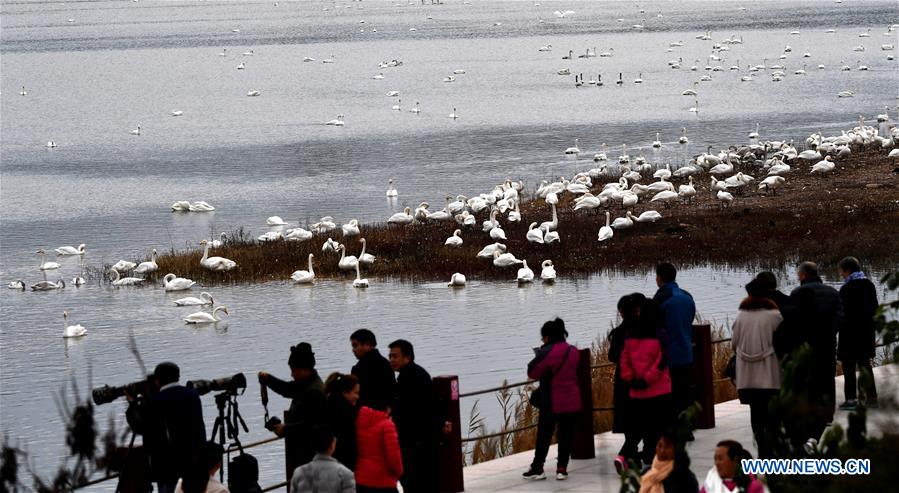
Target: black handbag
539	397
730	370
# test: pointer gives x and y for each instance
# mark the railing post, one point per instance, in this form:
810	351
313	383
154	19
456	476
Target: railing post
582	446
288	466
703	391
446	388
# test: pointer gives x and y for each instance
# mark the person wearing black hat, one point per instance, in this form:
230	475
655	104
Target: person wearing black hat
758	370
307	406
171	422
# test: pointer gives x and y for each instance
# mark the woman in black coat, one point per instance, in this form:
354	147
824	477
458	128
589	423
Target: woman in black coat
856	346
343	393
629	311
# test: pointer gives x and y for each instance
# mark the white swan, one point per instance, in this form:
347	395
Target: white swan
177	112
46	265
304	276
337	122
253	93
219	242
551	237
391	190
204	299
217	264
606	232
623	222
453	115
71	330
657	143
683	138
148	267
575	149
497	233
402	218
175	283
351	228
124	281
346	262
687	192
649	217
457	280
16	285
365	258
455	240
525	274
275	221
489	250
48	285
504	259
68	250
771	184
181	206
136	131
206	318
201	206
270	236
823	167
548	226
359	282
416	109
548	273
726	198
535	234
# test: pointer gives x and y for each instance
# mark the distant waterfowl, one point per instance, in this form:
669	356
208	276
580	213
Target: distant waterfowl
726	198
330	246
351	228
219	242
200	206
623	222
457	280
23	92
338	122
51	144
149	266
297	234
253	93
304	276
136	131
206	318
69	250
649	217
683	138
489	250
177	112
16	285
204	299
391	190
823	167
657	143
575	149
71	330
275	221
124	281
218	264
453	115
48	285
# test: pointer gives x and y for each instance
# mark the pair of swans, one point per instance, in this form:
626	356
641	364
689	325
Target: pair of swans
217	264
348	262
206	318
69	250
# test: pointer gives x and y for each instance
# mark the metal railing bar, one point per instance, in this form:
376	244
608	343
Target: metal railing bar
273	487
96	481
499	433
235	448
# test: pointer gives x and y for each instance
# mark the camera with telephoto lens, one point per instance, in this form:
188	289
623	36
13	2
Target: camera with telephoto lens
107	393
233	385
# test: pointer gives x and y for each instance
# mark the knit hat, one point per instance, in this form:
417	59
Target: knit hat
301	356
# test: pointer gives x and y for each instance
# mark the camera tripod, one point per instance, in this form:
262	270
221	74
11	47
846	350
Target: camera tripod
226	424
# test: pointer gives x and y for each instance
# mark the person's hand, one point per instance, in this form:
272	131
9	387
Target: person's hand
262	376
279	429
129	396
447	427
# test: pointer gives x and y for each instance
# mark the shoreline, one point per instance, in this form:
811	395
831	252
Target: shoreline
811	217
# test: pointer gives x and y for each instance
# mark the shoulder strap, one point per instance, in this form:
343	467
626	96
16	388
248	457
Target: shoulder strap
559	368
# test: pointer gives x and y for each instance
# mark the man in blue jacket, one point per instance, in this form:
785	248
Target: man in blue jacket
680	310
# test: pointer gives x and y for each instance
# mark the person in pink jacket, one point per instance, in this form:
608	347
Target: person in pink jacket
644	367
558	397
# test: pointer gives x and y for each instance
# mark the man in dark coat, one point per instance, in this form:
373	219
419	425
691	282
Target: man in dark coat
307	405
376	379
818	318
680	310
417	420
171	422
856	346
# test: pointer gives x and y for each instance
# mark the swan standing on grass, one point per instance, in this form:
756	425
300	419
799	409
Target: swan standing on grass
298	234
218	264
148	267
68	250
71	330
48	285
551	237
525	274
330	246
823	167
402	218
606	232
457	280
124	281
455	240
346	262
359	282
351	228
204	299
726	198
535	234
504	259
304	276
489	250
548	273
391	190
206	318
365	258
175	283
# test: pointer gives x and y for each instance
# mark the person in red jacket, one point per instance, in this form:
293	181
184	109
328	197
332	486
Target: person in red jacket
644	368
558	397
379	463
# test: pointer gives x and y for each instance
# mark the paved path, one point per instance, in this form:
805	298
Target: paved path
598	475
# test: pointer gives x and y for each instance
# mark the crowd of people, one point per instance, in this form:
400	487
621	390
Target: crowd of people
382	424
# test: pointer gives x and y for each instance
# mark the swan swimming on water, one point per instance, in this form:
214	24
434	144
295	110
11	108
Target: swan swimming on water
338	122
71	330
548	272
525	274
204	299
359	282
69	250
391	190
124	281
304	276
275	221
46	265
457	280
206	318
346	262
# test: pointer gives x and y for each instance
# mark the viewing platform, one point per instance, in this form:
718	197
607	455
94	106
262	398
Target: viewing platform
598	475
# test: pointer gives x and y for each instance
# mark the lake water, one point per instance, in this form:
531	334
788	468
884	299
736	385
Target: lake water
119	65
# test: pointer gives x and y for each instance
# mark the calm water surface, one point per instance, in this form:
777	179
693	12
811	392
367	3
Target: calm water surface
119	65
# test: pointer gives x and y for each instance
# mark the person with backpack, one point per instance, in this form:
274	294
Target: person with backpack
557	397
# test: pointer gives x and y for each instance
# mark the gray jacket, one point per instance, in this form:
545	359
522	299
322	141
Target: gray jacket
323	475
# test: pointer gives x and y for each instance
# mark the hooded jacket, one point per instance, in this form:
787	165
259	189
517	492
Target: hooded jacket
556	366
379	463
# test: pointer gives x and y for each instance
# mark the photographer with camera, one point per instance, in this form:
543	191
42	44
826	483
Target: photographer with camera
307	406
170	419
